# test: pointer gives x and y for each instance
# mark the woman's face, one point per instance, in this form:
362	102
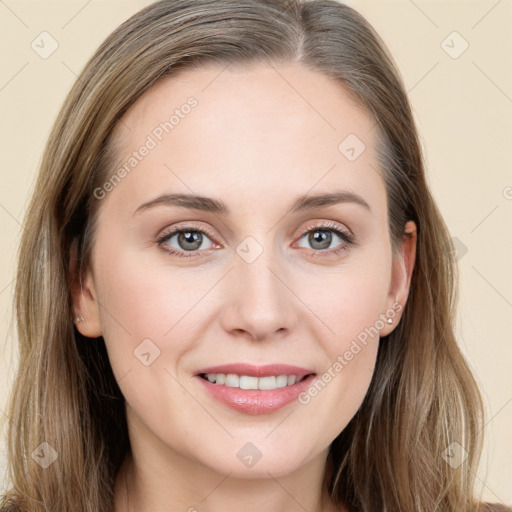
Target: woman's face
262	281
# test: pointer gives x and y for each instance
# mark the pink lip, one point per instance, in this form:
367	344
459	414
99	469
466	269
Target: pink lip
257	371
256	401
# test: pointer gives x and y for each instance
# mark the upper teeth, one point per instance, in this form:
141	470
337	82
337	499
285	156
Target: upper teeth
249	382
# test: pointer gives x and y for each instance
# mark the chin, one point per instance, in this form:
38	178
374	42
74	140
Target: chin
254	460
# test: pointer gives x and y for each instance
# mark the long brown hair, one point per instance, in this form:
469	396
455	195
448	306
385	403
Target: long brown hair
423	397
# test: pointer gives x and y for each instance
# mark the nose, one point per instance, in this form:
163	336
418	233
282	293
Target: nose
259	304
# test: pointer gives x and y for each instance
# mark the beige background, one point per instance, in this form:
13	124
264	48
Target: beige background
463	107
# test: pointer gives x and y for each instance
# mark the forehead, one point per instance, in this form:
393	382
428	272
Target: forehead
248	130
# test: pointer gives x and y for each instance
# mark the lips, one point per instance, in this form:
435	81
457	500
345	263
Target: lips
249	400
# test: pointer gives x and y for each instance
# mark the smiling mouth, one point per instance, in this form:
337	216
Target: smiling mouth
269	382
255	389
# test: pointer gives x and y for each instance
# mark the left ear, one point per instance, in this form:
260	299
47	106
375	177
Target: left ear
403	266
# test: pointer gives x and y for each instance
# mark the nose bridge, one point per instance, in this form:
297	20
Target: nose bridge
256	267
260	302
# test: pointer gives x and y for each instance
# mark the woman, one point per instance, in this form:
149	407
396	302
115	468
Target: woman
300	353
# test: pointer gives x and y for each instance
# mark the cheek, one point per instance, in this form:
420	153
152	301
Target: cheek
147	331
351	306
351	301
145	309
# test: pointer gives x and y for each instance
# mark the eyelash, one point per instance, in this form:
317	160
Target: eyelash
347	238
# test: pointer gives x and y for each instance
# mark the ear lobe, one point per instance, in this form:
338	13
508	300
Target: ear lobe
82	296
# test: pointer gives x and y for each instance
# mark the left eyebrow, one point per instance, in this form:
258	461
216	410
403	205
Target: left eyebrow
308	202
209	204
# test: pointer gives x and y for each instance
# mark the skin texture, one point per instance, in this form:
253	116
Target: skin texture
258	138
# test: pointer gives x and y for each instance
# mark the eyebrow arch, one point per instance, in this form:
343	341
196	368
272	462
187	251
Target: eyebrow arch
207	204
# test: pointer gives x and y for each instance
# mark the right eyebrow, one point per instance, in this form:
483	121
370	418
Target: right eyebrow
190	201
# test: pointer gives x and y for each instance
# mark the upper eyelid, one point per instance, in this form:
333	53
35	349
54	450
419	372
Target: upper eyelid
328	225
